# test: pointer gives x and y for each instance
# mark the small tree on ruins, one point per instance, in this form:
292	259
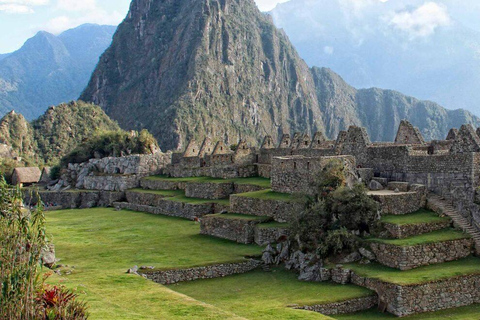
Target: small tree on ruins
335	216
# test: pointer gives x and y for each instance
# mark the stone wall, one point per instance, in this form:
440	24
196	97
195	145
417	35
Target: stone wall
342	307
433	296
239	230
170	208
209	190
111	182
399	203
153	184
409	257
264	235
410	230
297	174
107	171
280	211
76	199
167	277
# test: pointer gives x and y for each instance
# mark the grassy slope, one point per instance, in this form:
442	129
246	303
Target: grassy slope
103	243
419	217
467	266
263	295
426	238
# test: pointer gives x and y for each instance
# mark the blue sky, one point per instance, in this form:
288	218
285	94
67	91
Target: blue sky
21	19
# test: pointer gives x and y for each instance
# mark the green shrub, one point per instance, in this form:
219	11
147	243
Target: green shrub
332	219
22	237
112	144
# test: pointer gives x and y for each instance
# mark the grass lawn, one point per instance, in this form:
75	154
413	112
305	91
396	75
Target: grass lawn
238	216
419	217
467	266
273	224
103	243
257	181
267	295
426	238
268	195
165	193
464	313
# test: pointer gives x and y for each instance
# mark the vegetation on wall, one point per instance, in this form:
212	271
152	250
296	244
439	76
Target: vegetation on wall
336	216
112	144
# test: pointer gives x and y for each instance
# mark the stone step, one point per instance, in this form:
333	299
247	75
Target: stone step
280	207
426	249
426	289
437	203
236	227
408	225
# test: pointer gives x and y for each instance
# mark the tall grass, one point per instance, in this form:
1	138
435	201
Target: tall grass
22	237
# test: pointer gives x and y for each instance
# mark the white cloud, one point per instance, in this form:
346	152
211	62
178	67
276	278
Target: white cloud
20	6
421	22
99	16
15	8
267	5
328	50
76	5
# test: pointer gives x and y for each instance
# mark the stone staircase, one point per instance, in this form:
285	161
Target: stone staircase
441	206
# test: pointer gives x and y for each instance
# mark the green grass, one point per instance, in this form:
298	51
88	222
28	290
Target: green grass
467	266
238	216
103	243
257	181
464	313
420	217
269	195
426	238
267	295
273	224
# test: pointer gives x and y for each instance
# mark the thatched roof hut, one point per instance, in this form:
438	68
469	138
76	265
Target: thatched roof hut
26	176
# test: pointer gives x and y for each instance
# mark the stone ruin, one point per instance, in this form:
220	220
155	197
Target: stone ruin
401	176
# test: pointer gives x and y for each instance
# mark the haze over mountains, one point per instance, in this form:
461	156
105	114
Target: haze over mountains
190	68
50	69
421	48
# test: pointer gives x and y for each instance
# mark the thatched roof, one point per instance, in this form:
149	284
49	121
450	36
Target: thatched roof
26	175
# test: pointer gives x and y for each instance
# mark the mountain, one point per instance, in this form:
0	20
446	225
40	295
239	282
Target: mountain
50	69
390	44
55	133
190	68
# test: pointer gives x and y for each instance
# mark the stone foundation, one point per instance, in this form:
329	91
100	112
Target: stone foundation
405	258
145	198
433	296
170	208
76	199
208	272
265	236
399	203
111	182
409	230
342	307
152	184
209	190
239	230
280	211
